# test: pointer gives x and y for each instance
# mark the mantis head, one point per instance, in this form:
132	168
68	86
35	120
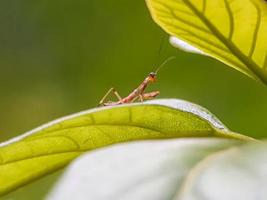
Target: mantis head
152	77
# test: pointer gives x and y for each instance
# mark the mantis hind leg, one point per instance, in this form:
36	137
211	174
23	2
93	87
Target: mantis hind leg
109	92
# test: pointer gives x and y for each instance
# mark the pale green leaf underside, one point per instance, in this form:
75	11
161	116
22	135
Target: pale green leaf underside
236	173
232	31
52	146
145	170
178	169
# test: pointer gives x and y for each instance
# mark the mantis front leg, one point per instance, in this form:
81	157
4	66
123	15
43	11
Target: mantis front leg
146	96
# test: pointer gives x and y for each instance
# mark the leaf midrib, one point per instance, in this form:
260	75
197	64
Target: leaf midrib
43	155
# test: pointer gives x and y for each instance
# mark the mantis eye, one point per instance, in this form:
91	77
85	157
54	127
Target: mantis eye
152	74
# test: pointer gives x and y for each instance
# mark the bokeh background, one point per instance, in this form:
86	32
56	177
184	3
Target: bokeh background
60	57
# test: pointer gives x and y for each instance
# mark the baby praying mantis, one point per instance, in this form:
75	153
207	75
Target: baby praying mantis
138	93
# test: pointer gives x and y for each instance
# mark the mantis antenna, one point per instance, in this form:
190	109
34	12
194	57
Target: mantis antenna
164	63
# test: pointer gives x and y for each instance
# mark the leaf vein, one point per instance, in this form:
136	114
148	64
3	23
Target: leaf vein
265	61
231	19
224	57
178	9
188	176
197	36
254	39
204	5
185	21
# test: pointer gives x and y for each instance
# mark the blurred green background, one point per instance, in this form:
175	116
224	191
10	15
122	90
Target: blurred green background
60	57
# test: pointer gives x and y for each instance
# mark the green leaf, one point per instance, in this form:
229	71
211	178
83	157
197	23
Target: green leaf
236	173
52	146
144	170
232	31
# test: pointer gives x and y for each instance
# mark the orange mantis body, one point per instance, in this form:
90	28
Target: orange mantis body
138	93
